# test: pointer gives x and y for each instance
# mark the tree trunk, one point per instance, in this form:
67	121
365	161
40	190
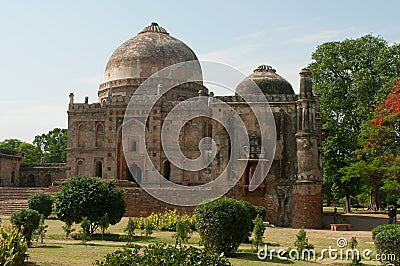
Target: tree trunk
375	202
347	208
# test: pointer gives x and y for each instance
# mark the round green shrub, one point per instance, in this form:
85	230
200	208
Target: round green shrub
382	227
163	255
26	221
42	203
387	242
223	224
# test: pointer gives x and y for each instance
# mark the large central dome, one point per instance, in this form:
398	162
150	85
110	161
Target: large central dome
148	52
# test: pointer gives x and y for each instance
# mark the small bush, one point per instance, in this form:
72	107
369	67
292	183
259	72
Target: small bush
387	241
40	233
104	223
382	227
163	255
67	228
301	242
223	224
42	203
130	230
258	232
13	246
26	221
182	233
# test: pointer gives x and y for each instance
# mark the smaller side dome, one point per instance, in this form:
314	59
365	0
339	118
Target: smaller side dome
267	80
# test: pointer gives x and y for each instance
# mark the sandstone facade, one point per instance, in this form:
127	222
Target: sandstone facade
291	191
10	163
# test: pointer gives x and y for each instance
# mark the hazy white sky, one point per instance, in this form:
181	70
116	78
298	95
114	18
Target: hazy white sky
51	48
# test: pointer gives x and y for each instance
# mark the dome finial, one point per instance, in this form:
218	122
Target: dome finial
154	27
264	68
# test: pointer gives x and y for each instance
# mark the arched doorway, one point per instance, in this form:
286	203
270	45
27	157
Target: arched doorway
99	169
167	170
13	175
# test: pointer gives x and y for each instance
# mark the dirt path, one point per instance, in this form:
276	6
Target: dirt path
360	221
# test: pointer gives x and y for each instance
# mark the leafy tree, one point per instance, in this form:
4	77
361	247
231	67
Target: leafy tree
350	76
42	203
379	155
27	221
52	145
91	198
223	224
31	153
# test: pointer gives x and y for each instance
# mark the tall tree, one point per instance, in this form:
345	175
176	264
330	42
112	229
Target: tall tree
381	150
53	145
350	77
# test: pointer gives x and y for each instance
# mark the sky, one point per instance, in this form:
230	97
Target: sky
51	48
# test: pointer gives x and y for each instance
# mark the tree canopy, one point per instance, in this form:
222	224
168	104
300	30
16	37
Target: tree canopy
32	153
350	76
46	148
84	197
53	145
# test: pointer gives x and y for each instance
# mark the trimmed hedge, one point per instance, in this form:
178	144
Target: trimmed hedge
163	255
387	243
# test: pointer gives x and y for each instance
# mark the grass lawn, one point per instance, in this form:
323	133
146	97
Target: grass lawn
56	250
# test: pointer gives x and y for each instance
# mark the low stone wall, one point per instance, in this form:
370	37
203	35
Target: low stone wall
41	175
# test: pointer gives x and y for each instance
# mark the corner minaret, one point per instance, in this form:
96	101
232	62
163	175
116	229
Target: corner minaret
307	193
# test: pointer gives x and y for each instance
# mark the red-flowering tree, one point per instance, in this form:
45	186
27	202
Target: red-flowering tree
379	159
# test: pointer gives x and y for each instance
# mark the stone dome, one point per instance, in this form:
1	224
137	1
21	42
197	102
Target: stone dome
148	52
267	80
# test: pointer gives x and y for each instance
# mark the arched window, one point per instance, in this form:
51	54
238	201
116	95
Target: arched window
167	170
81	135
80	168
13	176
99	135
99	169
